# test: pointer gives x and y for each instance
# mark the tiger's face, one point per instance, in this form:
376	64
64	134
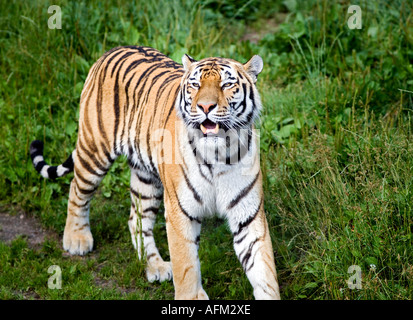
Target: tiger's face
219	95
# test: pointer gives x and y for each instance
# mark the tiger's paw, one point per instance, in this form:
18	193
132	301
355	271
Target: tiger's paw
78	242
158	270
200	294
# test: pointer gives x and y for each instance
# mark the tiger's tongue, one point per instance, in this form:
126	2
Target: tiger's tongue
209	127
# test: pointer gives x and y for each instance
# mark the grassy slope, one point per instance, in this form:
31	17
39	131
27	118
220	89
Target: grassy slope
335	143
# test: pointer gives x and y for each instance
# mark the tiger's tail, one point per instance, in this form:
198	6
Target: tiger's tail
47	171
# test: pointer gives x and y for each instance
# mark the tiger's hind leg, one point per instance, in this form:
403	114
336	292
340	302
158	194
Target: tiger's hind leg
146	196
89	172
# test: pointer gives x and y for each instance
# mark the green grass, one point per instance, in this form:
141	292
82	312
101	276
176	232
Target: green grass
335	133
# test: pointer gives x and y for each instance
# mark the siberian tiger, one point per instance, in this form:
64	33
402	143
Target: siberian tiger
188	134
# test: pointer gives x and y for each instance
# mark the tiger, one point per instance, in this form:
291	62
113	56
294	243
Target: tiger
188	134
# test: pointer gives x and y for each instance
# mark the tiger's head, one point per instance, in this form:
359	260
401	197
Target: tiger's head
219	93
219	102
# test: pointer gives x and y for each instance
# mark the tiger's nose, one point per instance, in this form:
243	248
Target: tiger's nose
206	107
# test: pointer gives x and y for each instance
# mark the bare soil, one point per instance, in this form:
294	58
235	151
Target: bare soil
21	224
18	223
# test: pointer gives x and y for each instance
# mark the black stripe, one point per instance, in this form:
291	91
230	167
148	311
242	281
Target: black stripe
143	197
87	166
69	164
171	109
191	187
182	209
107	153
36	149
251	218
203	174
249	139
229	158
74	204
160	197
126	109
52	172
238	241
148	234
198	156
249	117
245	259
151	209
164	85
242	150
244	101
252	97
132	66
116	106
243	193
86	191
150	256
40	165
99	108
110	59
83	179
187	214
86	103
149	181
116	109
138	195
80	206
92	157
127	54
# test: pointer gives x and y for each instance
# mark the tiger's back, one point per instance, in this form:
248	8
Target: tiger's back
187	132
129	93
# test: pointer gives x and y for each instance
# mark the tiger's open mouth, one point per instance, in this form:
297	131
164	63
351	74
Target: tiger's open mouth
209	126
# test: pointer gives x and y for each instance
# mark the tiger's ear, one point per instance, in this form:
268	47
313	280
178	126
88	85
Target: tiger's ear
254	67
187	61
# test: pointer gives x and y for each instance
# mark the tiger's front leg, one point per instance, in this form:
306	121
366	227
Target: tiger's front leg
253	248
183	239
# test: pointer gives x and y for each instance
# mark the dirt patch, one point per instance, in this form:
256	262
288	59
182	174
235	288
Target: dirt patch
20	224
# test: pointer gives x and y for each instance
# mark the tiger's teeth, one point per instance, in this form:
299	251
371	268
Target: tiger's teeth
215	131
206	131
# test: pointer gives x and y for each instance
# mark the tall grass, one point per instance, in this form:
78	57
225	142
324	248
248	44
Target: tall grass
335	142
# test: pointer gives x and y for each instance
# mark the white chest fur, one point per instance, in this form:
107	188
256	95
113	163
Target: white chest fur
217	187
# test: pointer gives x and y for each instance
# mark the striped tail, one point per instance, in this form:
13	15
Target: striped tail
49	172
